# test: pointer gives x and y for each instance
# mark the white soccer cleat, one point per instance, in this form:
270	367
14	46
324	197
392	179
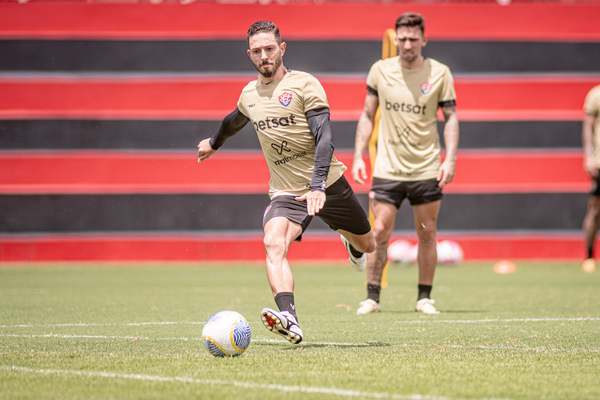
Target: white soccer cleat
359	263
282	323
368	306
426	306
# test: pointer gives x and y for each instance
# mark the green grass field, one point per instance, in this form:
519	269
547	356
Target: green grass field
133	332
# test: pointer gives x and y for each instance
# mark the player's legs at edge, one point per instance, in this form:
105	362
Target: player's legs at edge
591	222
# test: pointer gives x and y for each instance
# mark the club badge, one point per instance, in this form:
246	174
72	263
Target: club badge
285	98
425	87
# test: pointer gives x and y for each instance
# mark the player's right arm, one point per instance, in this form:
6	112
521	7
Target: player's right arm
232	124
589	163
364	130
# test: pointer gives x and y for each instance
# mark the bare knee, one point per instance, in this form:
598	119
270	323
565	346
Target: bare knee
274	245
371	245
426	234
382	230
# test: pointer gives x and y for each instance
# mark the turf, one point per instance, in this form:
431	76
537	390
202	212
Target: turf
133	332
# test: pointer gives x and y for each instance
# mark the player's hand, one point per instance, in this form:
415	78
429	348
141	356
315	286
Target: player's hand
359	171
315	200
446	174
204	150
590	166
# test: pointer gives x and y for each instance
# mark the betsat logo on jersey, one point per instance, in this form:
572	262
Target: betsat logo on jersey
285	98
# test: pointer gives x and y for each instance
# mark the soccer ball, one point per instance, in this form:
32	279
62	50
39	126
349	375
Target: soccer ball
449	252
400	252
226	334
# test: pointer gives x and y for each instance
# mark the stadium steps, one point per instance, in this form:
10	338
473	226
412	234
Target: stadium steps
330	21
554	97
104	172
87	77
320	248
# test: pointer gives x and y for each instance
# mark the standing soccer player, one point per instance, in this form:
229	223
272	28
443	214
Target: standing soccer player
591	149
290	113
409	89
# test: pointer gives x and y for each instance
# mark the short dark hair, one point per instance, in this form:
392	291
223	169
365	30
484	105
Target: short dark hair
411	19
264	26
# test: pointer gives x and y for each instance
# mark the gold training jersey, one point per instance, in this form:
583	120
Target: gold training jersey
592	107
278	112
408	148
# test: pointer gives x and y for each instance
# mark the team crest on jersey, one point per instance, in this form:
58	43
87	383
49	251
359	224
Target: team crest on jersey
285	98
425	87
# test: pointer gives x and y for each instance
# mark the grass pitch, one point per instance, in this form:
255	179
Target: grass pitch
134	333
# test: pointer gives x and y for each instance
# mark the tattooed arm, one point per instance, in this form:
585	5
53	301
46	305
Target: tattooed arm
364	130
446	173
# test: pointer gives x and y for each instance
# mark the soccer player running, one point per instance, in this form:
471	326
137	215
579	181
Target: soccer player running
591	156
290	113
409	89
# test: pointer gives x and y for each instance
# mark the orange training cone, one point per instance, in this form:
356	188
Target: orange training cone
505	267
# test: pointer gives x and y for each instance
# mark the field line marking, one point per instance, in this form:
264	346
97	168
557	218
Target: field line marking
265	340
464	321
103	324
474	321
247	385
258	340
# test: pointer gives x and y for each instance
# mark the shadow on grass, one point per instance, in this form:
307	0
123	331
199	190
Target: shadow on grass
304	345
441	312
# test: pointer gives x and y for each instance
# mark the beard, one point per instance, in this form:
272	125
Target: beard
266	72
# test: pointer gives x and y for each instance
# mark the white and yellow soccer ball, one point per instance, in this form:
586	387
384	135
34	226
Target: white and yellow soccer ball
226	334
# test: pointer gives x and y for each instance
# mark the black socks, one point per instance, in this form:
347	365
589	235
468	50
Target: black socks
373	292
285	302
355	252
424	292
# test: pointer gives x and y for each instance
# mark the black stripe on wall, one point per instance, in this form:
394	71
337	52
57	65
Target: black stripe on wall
353	56
214	212
185	135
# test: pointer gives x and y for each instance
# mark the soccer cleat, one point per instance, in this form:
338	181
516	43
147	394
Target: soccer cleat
282	323
426	306
358	263
368	306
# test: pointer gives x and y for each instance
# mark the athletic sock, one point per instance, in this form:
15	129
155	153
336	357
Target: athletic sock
285	302
373	292
424	292
355	252
590	252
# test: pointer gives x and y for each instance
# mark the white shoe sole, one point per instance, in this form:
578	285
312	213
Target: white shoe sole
273	323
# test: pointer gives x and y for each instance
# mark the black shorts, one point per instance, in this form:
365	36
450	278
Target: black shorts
595	190
341	210
394	192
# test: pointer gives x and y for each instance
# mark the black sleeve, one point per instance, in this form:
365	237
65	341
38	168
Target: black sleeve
447	103
370	90
232	124
320	126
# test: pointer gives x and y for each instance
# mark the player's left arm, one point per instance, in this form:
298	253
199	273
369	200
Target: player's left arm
320	126
231	125
451	135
